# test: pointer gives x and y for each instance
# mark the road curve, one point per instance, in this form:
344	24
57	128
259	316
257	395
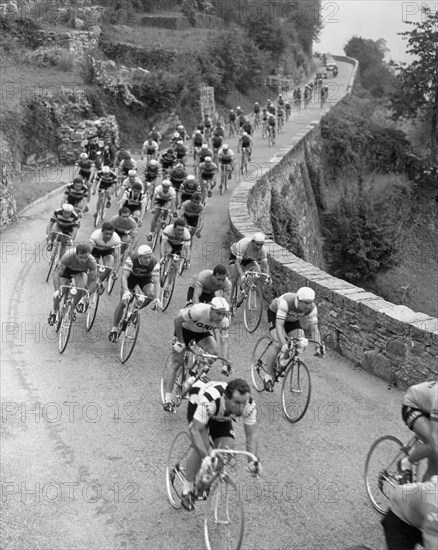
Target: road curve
85	438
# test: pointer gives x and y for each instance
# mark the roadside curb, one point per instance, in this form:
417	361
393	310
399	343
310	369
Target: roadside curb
45	197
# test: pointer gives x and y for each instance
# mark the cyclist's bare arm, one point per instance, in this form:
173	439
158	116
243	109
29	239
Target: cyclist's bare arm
238	265
125	274
178	326
264	266
156	282
49	228
252	444
186	250
223	339
198	435
197	292
164	240
280	331
92	280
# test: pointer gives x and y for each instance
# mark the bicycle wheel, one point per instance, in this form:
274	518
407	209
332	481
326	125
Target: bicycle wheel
252	309
224	521
258	363
156	234
179	381
295	391
129	337
176	467
92	309
167	289
111	281
381	471
98	215
65	327
53	259
182	263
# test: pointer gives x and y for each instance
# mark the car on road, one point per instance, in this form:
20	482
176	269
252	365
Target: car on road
331	65
322	74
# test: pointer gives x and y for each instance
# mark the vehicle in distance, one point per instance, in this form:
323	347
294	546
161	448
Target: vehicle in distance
330	64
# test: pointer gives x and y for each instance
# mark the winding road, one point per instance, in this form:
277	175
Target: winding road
85	438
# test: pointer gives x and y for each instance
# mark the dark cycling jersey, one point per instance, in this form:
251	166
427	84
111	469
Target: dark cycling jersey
65	224
74	196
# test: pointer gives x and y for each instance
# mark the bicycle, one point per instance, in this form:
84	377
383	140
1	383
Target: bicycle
271	140
172	263
256	121
55	256
224	521
92	304
280	123
251	298
205	189
162	221
244	161
101	207
297	387
130	325
381	468
232	130
226	170
65	315
196	366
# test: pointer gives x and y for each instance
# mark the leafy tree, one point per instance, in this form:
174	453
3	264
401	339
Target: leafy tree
418	82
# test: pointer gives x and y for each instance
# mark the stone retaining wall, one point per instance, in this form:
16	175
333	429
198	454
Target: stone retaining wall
390	341
7	196
75	42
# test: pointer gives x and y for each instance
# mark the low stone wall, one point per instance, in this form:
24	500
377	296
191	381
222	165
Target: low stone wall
75	42
70	138
7	196
390	341
131	55
169	22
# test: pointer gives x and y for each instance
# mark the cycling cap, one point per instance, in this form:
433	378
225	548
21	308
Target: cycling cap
256	103
170	151
305	293
245	134
220	304
68	207
179	165
198	132
207	159
225	147
132	173
180	127
166	183
153	163
191	178
204	146
106	169
176	135
258	238
84	156
144	250
137	185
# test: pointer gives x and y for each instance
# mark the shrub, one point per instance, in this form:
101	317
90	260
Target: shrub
66	61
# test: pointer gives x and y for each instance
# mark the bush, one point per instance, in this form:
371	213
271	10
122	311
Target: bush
46	56
66	61
285	226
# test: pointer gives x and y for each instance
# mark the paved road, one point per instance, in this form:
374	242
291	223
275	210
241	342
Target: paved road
85	438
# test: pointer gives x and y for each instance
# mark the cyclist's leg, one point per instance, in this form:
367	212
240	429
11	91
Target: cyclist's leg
148	291
155	217
234	277
65	241
108	261
81	281
177	362
57	299
423	427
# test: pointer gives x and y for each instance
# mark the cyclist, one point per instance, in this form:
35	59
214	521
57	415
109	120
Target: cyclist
108	155
105	244
84	168
126	165
207	175
264	123
182	132
216	142
324	94
226	160
239	111
167	160
63	220
164	197
287	108
245	142
192	212
77	264
197	323
176	240
140	269
420	414
248	254
76	194
280	100
155	135
272	121
150	176
121	154
135	200
197	142
256	113
271	109
176	176
246	126
289	315
232	121
105	182
213	406
181	151
204	152
412	517
208	125
280	117
189	187
204	285
126	228
307	94
150	149
219	130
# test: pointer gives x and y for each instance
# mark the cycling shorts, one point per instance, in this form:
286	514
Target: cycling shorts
216	429
140	281
410	415
243	263
105	186
289	326
207	177
176	184
122	232
175	248
192	221
133	207
70	273
189	335
96	253
400	534
162	203
187	196
85	175
74	201
56	228
226	162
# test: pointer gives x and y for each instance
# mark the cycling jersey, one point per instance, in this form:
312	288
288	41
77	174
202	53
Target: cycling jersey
150	148
70	262
100	245
131	201
189	188
271	120
280	113
128	164
207	122
66	225
226	157
246	127
232	117
205	282
123	226
271	109
140	271
159	193
181	151
217	141
207	170
285	307
198	140
74	196
242	250
167	160
151	173
287	107
106	180
219	131
256	109
155	136
197	319
85	167
190	209
204	153
210	403
424	397
177	176
128	183
169	236
246	142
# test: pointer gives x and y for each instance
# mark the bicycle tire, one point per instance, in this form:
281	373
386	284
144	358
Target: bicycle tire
224	521
129	338
252	309
97	217
182	264
177	387
167	289
53	259
296	391
111	282
381	470
164	270
92	309
65	328
176	467
258	366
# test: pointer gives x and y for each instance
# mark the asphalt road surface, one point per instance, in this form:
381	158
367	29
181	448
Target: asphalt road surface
85	438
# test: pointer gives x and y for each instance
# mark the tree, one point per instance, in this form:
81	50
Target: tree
369	53
418	82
